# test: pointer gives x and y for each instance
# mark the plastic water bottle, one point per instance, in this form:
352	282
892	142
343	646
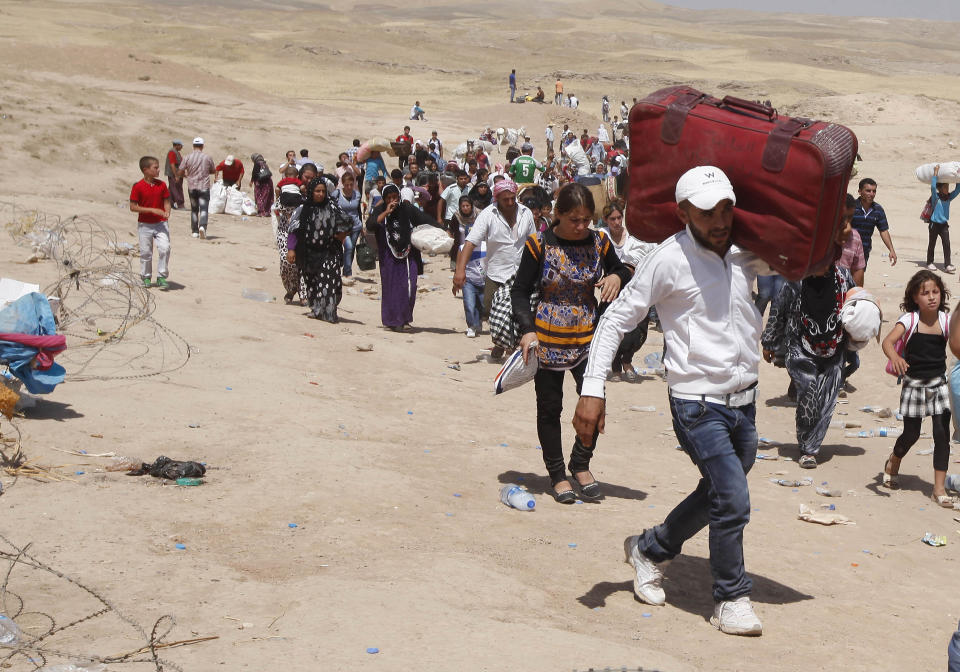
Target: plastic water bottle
652	360
9	632
827	492
863	434
256	295
953	482
514	496
889	431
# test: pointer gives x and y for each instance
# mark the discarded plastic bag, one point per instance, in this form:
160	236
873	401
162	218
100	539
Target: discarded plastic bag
71	667
823	518
931	539
164	467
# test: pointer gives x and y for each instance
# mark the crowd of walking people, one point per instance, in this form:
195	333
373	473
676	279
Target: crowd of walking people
582	294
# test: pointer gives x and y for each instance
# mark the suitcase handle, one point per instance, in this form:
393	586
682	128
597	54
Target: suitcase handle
733	101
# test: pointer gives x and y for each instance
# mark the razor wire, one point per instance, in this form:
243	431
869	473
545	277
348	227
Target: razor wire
42	637
98	300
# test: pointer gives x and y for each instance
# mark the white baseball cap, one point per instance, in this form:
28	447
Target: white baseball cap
198	140
704	187
229	160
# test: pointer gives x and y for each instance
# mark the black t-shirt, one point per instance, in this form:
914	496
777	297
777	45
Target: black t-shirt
927	356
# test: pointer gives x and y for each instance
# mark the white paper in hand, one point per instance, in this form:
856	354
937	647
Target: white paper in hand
514	372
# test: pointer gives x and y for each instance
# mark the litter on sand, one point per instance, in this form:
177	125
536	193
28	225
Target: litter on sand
931	539
822	518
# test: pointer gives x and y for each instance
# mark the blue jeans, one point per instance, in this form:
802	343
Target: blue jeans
472	304
513	90
722	442
768	288
349	244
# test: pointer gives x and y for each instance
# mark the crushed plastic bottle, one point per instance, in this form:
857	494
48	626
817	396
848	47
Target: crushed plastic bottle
186	480
826	492
124	464
889	431
644	409
9	632
257	295
516	497
71	667
789	483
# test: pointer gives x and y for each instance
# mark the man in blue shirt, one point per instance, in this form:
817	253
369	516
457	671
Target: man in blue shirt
940	197
869	215
513	84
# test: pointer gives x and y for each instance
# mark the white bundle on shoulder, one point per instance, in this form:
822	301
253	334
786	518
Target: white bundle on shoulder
861	317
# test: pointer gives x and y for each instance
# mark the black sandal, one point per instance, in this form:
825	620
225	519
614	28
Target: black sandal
564	497
592	489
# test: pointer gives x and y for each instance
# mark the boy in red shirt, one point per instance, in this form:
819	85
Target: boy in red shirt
150	198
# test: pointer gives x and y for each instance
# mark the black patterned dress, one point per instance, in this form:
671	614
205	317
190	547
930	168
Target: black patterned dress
319	254
805	321
289	273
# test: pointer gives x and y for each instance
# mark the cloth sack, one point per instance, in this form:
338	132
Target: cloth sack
218	198
431	240
515	373
248	206
234	202
949	172
861	317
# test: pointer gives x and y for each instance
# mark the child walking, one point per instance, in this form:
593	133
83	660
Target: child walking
940	197
150	198
922	362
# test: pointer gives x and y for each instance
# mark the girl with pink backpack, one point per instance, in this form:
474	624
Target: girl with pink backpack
917	350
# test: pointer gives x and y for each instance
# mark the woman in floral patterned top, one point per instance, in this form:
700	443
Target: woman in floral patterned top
566	263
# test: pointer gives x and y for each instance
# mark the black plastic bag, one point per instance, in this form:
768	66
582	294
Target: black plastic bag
164	467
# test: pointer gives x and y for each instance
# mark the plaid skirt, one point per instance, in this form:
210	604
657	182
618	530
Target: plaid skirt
920	398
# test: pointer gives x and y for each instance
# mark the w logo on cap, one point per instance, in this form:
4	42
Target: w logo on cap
709	174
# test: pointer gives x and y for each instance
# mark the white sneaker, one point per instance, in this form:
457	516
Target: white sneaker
203	233
646	583
195	234
736	617
471	333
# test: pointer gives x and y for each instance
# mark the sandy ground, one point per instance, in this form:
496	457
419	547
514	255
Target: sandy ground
389	461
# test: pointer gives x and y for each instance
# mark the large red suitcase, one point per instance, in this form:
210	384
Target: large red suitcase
790	174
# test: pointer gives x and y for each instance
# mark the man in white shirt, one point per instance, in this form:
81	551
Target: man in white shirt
701	284
550	137
504	225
